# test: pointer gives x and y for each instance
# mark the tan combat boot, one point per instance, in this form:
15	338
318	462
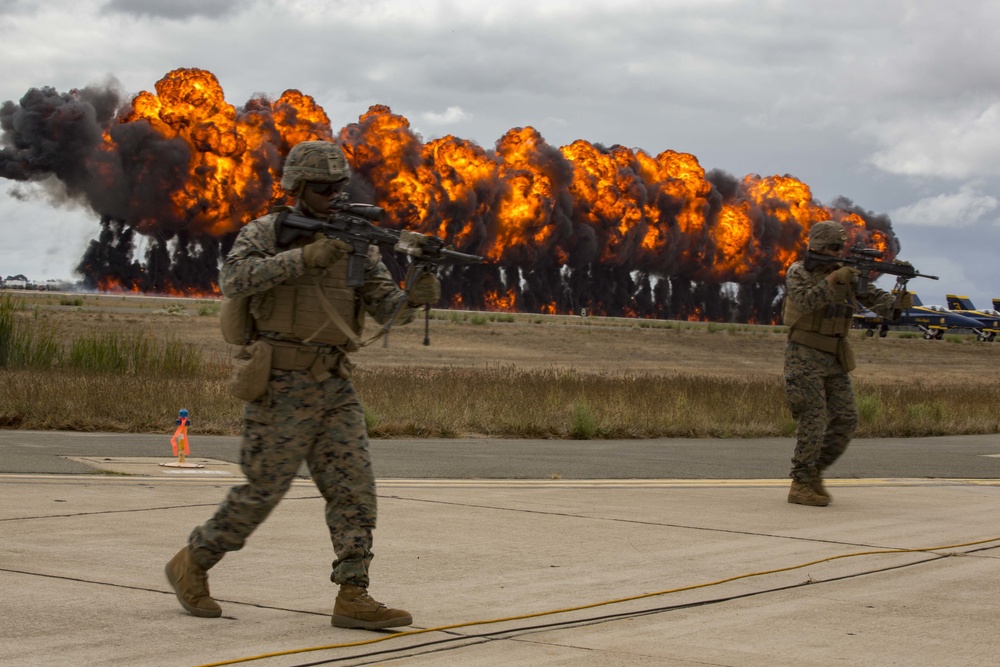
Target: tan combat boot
803	494
354	608
190	583
817	486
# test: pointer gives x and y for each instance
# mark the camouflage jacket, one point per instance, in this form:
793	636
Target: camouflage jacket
810	291
256	264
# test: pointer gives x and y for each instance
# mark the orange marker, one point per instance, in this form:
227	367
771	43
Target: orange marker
180	440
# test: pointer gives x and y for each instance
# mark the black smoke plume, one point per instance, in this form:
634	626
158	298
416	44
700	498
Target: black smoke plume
87	145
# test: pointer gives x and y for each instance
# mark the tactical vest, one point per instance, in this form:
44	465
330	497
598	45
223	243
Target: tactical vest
307	308
820	328
833	320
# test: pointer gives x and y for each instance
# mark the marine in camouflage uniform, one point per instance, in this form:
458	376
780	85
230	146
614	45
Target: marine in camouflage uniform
819	306
310	412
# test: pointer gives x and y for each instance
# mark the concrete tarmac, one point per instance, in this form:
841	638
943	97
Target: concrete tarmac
711	570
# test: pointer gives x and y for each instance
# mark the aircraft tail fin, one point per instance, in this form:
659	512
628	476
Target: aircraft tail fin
956	302
996	304
916	299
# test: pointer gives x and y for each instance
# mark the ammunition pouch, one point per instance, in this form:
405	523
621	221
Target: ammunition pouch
836	320
845	355
251	371
253	363
234	318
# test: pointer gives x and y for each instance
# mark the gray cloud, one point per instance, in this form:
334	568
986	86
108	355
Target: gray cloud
952	143
450	116
960	209
173	9
894	104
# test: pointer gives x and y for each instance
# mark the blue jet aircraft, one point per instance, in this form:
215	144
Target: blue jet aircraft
933	321
990	319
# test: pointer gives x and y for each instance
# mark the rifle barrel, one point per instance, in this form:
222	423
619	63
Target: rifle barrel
461	256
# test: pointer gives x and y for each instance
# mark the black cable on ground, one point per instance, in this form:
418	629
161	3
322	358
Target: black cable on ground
409	633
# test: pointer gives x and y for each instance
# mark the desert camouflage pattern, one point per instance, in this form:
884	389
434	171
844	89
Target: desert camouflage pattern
827	233
818	390
317	161
300	419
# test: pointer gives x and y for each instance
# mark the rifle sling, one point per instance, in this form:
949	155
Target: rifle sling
336	318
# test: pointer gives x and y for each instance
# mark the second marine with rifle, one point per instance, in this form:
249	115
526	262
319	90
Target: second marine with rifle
821	293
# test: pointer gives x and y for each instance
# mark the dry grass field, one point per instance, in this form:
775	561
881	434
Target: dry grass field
516	376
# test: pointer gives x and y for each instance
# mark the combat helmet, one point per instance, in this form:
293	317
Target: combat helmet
317	161
826	233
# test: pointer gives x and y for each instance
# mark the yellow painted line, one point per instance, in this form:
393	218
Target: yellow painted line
399	483
95	478
666	483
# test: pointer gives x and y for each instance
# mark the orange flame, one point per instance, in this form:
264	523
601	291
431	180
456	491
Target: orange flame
525	207
230	181
607	197
501	302
541	214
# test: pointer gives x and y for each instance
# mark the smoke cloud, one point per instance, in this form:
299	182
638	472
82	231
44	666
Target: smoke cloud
611	229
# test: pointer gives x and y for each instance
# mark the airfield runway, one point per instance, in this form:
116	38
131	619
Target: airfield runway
661	552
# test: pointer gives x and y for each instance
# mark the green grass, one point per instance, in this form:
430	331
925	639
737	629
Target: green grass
869	407
129	381
24	344
120	353
175	309
209	308
496	402
27	344
506	402
583	423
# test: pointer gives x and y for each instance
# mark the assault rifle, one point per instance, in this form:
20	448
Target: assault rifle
867	261
351	222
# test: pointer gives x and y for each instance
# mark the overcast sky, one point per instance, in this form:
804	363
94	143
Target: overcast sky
893	104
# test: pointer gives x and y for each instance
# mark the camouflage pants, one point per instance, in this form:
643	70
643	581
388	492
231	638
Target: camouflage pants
821	399
322	424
